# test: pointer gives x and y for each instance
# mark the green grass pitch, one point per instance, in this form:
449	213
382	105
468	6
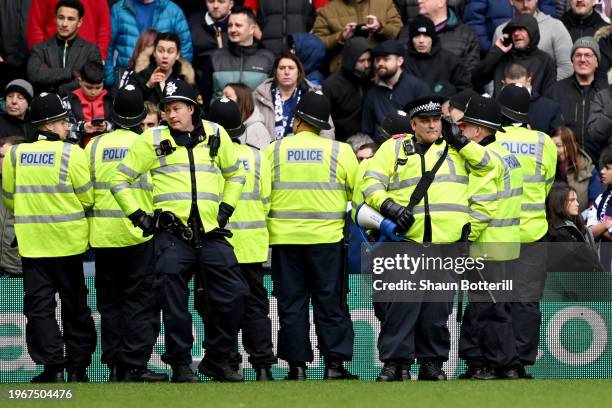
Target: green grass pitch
316	394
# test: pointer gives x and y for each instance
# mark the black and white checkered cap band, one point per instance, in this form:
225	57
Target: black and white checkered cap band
430	107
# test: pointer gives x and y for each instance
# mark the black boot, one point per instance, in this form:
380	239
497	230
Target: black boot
219	372
49	375
181	373
524	374
143	374
484	373
263	374
505	373
469	372
334	370
78	375
297	371
391	371
431	371
115	373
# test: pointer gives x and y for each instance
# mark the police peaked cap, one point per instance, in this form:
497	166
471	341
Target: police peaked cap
483	112
128	107
514	101
425	107
226	113
314	108
178	90
45	108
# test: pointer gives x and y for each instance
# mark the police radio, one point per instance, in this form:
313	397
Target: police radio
214	142
165	148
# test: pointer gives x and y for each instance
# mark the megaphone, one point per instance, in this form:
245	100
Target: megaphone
368	218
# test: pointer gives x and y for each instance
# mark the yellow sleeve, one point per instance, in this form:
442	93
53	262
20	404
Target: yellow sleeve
8	177
349	161
78	171
478	158
482	193
549	163
357	198
265	183
232	169
139	160
378	174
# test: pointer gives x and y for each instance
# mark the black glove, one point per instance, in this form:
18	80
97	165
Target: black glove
143	221
400	214
453	135
225	212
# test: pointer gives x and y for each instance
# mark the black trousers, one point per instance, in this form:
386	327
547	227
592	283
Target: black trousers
42	279
487	334
227	291
256	326
301	273
126	302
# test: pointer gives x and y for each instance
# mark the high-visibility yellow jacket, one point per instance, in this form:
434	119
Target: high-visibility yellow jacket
248	222
108	225
538	157
312	181
47	185
171	176
495	207
357	192
391	173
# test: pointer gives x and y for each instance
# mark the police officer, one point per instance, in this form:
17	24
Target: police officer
419	328
537	155
184	160
123	257
250	239
487	341
47	186
312	180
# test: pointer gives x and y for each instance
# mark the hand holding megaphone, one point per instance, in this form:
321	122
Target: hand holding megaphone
402	215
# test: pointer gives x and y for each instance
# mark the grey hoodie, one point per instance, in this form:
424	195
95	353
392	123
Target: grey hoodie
256	134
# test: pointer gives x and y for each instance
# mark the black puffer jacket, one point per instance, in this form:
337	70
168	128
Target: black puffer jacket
599	124
409	9
346	91
538	62
582	27
437	66
604	40
278	18
575	102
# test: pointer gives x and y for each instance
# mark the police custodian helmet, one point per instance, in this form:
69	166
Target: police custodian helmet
314	108
128	107
178	90
45	108
226	113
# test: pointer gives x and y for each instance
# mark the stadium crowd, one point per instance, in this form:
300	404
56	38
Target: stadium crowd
183	139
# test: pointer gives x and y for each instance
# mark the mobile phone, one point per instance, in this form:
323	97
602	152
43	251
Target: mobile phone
507	41
360	31
97	121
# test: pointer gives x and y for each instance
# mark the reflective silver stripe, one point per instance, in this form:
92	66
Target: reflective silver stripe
479	217
420	209
117	188
494	196
43	189
157	140
374	187
184	196
107	214
178	168
63	174
333	161
231	168
240	179
533	207
451	166
127	171
84	188
14	156
92	159
277	160
246	225
550	180
42	219
507	184
249	196
505	222
266	200
307	185
484	162
540	152
533	179
307	215
377	176
257	172
8	195
440	178
103	185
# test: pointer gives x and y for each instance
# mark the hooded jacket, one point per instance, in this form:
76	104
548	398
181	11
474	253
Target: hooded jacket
554	40
144	67
334	16
346	91
311	51
582	27
538	62
437	66
604	40
166	17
